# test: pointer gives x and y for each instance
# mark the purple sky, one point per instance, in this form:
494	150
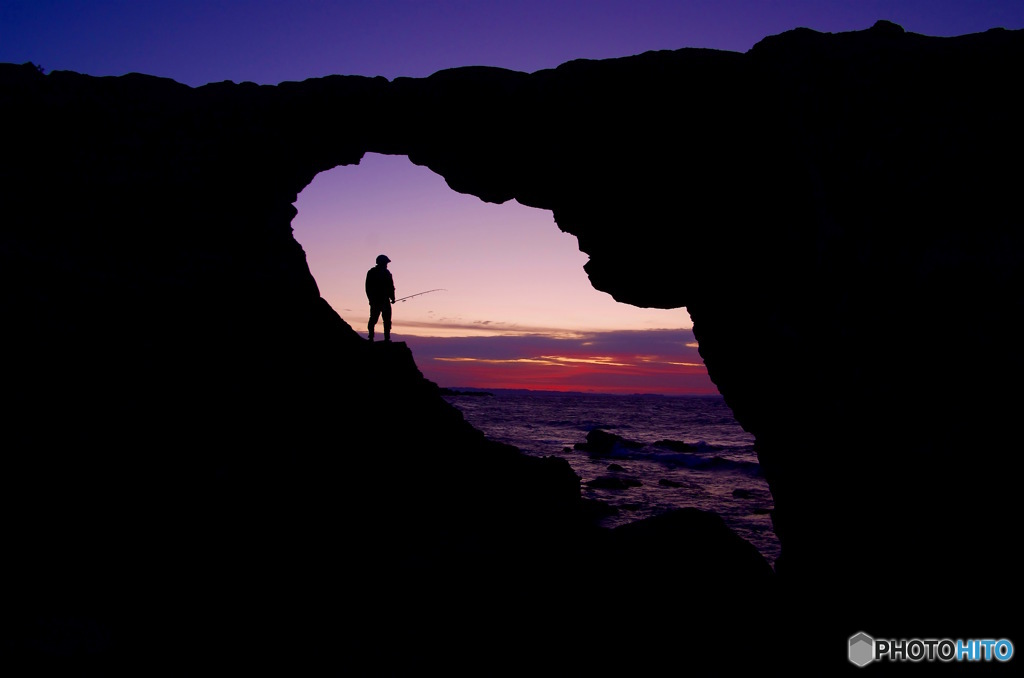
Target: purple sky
517	309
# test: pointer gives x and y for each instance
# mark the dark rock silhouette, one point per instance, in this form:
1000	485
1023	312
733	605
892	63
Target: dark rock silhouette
677	445
602	443
190	468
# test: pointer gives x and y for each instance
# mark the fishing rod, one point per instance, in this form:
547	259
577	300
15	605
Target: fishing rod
439	289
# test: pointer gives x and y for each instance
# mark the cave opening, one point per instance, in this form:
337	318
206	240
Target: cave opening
503	270
513	314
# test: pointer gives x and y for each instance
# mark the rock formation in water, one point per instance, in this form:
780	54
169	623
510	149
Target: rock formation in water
200	455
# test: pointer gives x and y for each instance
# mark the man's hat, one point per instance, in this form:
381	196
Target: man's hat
382	259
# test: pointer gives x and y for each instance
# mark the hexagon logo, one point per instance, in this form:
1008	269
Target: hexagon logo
862	649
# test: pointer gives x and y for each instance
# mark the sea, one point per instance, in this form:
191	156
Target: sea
660	452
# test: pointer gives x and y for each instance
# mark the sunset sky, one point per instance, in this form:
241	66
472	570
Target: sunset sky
515	308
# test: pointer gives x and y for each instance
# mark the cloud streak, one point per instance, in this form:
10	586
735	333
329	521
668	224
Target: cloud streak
664	361
455	328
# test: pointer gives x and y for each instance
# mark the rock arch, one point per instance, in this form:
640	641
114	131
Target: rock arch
820	205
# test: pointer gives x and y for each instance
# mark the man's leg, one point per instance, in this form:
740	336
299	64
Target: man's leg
374	315
387	321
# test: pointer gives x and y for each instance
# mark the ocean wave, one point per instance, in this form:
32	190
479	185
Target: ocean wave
700	455
713	463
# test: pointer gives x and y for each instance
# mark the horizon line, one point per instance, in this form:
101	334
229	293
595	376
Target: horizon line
479	389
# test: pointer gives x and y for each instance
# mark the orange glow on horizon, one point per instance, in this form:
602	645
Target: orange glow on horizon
604	374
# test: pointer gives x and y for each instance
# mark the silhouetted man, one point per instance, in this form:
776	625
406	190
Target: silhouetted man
380	290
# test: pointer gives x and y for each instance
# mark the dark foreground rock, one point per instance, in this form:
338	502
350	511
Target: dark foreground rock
197	464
